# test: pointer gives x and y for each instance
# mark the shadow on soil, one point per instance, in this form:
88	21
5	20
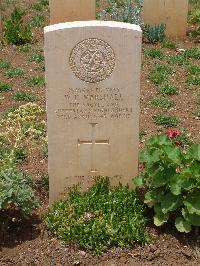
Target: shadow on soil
19	229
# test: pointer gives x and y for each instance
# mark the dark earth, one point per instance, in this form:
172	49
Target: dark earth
27	242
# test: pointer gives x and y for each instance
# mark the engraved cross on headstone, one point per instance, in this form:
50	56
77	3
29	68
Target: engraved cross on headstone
93	142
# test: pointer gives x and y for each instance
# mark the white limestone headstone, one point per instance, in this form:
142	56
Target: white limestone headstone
93	95
71	10
171	12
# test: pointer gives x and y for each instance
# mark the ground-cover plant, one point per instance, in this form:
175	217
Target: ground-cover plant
178	60
9	110
157	77
36	81
159	73
192	53
4	64
195	16
21	128
16	31
5	87
154	33
193	70
155	53
162	102
167	89
197	113
167	43
24	96
37	21
195	32
165	120
193	80
128	11
15	193
25	48
36	57
171	178
100	218
14	72
40	5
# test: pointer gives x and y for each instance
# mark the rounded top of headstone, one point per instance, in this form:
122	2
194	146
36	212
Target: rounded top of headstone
92	23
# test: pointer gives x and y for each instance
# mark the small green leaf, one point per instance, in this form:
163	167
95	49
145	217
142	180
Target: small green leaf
153	196
161	176
150	155
195	151
192	170
139	181
179	182
170	202
194	219
173	154
160	219
192	202
182	225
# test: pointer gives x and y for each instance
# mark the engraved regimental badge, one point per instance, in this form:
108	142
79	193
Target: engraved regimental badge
92	60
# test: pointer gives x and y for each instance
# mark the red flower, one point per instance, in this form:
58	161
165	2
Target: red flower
173	133
177	143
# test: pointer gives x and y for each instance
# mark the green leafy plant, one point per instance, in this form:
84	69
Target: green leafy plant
167	43
15	191
167	89
5	87
24	96
20	128
159	73
172	181
178	60
166	121
157	77
16	32
19	155
154	33
195	16
36	57
40	5
14	72
197	113
9	110
193	70
99	218
193	80
37	21
25	48
195	32
155	53
36	81
162	102
192	53
128	11
4	64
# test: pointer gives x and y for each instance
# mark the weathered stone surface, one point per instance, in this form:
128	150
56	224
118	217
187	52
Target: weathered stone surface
71	10
172	12
93	94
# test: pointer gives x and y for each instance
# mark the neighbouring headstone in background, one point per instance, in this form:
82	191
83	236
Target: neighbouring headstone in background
71	10
172	12
93	96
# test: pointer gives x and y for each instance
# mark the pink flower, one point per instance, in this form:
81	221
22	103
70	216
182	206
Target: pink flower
173	133
177	143
88	215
